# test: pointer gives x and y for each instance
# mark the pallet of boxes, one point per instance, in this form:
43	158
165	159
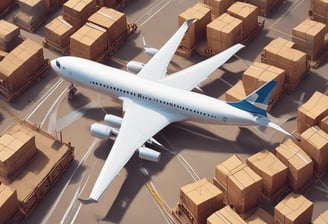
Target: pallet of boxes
31	162
6	6
319	11
9	36
21	67
265	6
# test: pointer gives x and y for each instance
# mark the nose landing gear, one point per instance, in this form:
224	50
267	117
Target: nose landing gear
72	91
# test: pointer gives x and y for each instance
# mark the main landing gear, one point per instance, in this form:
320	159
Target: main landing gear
72	91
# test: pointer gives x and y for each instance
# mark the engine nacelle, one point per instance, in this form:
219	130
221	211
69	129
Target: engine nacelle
135	66
149	154
113	121
102	131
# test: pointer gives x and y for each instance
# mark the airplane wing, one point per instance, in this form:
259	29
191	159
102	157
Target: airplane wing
139	124
157	65
190	77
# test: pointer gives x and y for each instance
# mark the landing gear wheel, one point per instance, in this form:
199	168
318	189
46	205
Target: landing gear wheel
72	91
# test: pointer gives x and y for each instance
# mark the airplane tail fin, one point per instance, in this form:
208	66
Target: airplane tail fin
257	102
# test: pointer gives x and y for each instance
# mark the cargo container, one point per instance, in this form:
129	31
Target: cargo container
322	218
76	12
293	209
218	7
312	111
9	36
21	67
37	177
225	215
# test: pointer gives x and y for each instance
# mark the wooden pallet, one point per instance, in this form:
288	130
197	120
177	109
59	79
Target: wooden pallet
277	196
64	50
182	215
30	28
316	62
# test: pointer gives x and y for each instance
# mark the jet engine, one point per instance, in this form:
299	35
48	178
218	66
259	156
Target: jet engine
113	121
149	154
102	131
135	66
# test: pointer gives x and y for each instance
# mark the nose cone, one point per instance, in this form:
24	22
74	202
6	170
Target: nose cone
55	65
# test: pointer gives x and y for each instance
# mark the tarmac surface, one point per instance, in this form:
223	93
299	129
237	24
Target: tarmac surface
145	192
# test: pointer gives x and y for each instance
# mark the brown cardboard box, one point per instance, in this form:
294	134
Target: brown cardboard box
293	209
32	7
201	199
113	21
247	13
271	169
224	216
28	20
309	36
197	29
260	216
88	42
263	5
8	203
312	111
300	165
324	124
236	92
4	4
218	7
244	189
59	31
258	74
76	12
223	32
322	218
314	142
8	31
15	150
21	63
320	10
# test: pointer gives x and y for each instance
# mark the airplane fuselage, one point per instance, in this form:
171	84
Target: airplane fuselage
122	84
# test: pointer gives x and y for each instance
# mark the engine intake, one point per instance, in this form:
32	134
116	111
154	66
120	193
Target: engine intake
102	131
135	66
149	154
113	121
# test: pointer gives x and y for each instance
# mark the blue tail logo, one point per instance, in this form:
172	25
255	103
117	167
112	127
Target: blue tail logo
257	102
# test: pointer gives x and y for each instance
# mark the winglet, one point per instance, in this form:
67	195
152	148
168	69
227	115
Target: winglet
87	201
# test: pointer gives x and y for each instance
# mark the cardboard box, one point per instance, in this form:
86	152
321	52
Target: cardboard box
322	218
271	169
20	64
223	32
218	7
260	216
4	4
309	37
76	12
59	31
236	92
88	42
224	216
28	20
314	142
248	14
293	209
197	29
263	5
258	74
312	111
8	203
8	31
114	22
324	124
300	165
201	199
320	10
244	189
32	7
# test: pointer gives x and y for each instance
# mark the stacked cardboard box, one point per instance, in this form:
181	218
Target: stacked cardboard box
320	10
324	124
247	13
8	203
263	5
309	36
236	92
76	12
314	142
89	42
300	165
58	31
218	7
260	216
114	22
293	209
271	169
293	61
259	73
53	4
225	215
197	29
312	111
201	199
20	64
322	218
107	3
31	13
15	150
223	32
9	35
4	4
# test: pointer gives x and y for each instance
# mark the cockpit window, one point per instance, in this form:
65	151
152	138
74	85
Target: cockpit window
58	64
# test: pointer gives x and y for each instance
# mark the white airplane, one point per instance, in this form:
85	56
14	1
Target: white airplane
152	100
